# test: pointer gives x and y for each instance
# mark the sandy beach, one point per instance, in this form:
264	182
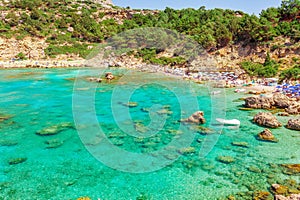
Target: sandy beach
42	63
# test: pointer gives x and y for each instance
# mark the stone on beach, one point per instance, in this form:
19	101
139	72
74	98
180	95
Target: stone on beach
197	118
266	119
266	135
293	124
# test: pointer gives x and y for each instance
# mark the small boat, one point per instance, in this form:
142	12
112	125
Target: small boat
231	122
215	92
239	90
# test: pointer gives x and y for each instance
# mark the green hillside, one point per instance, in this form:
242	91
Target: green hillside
71	26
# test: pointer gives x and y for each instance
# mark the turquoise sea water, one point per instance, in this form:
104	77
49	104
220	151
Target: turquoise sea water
61	166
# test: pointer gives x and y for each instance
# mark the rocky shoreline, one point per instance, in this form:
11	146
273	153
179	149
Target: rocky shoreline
41	64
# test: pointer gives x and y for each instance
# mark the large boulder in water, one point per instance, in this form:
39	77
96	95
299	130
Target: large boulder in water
291	197
196	117
259	102
281	100
293	109
278	100
293	124
266	119
266	135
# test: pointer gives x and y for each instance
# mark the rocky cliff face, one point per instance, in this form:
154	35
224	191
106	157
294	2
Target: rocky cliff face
32	48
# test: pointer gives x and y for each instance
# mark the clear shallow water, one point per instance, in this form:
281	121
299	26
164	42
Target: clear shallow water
37	99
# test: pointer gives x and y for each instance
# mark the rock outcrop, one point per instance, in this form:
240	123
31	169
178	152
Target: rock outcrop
291	197
277	100
32	48
293	124
259	102
196	117
266	135
279	189
294	108
291	169
281	100
266	119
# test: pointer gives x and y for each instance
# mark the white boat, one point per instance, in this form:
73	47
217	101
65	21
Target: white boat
231	122
215	92
239	90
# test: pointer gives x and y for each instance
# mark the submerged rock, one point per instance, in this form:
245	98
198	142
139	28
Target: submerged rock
254	169
261	195
187	150
291	197
5	117
240	144
131	104
84	198
266	135
203	130
246	109
55	129
15	161
145	110
139	127
93	79
291	168
196	117
174	132
293	124
109	76
283	114
164	112
225	159
8	143
54	143
266	119
279	189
